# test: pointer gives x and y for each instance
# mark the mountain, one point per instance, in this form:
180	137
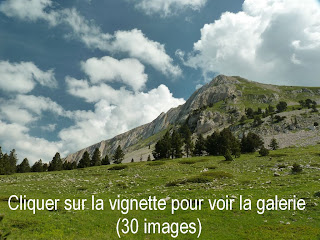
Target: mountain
219	104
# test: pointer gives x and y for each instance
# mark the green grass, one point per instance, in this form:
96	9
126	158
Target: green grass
207	177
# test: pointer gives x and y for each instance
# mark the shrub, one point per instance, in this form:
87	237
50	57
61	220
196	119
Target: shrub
274	144
228	156
118	167
199	179
264	152
187	161
316	124
155	163
296	168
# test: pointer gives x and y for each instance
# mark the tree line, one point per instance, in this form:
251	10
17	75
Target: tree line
222	143
8	162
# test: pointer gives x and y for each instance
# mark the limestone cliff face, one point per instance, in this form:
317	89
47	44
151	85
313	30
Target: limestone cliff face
220	88
214	106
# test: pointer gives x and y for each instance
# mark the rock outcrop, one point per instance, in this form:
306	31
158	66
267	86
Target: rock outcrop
201	113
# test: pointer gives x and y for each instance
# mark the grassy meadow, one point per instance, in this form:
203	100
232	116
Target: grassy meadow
200	177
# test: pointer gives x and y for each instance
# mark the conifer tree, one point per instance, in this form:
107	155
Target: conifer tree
37	166
84	161
162	147
118	155
105	160
188	144
274	144
199	147
96	158
12	162
251	142
56	163
176	145
24	166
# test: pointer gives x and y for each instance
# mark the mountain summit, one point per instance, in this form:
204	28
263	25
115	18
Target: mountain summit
218	104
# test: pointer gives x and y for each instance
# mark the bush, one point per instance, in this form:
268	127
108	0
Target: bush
281	106
228	156
155	163
264	152
316	124
187	161
199	179
296	168
118	167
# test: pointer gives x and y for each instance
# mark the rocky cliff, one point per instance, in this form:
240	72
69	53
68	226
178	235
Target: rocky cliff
214	106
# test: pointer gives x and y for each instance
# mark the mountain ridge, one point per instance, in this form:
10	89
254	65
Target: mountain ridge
212	107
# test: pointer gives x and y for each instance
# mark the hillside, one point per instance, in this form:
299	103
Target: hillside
219	104
210	177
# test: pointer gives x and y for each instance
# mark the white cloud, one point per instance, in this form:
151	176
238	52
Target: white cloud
49	127
134	42
24	109
107	69
116	111
31	10
39	104
16	116
22	77
274	41
137	45
168	7
13	135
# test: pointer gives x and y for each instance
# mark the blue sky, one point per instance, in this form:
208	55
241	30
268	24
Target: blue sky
73	73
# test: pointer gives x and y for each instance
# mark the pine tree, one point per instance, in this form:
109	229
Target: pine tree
105	160
56	163
199	147
24	166
274	144
263	151
118	155
176	145
257	121
162	147
212	143
1	163
251	142
96	158
12	163
281	106
69	165
37	166
84	161
188	144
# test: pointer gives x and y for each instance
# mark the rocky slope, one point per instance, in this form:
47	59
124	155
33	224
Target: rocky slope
216	105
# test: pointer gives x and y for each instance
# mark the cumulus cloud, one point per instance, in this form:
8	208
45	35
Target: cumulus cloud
14	135
274	41
22	77
137	45
25	109
115	111
31	10
133	42
18	115
107	69
166	8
